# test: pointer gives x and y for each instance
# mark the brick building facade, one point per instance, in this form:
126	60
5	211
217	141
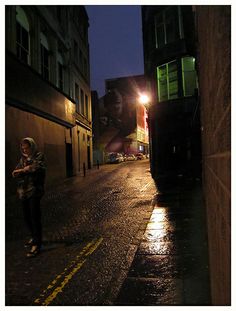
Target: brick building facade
48	87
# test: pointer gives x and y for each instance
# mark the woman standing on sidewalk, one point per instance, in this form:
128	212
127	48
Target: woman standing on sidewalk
30	174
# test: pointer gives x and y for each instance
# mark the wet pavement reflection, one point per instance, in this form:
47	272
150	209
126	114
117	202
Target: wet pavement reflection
171	265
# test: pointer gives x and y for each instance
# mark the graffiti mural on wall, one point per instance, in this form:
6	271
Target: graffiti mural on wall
117	122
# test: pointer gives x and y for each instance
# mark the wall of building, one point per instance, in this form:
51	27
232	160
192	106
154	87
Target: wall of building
214	70
41	107
27	87
49	136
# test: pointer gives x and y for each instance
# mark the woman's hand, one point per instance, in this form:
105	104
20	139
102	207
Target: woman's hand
17	172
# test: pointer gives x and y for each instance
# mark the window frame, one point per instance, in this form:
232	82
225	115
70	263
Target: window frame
44	56
86	106
163	23
181	82
167	81
22	24
184	73
76	52
77	98
60	71
82	101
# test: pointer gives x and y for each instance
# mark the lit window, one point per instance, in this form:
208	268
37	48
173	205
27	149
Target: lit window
167	78
172	80
169	86
44	48
189	76
22	35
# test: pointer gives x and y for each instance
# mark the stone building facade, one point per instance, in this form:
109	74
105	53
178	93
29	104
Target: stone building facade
213	29
48	87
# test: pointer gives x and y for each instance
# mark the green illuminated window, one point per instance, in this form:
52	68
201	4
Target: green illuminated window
169	86
189	75
167	78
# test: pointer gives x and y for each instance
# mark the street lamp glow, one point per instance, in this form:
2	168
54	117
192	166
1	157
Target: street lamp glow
144	99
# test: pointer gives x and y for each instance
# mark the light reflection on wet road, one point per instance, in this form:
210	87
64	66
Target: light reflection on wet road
170	266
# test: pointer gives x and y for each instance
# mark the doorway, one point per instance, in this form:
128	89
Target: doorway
69	163
88	152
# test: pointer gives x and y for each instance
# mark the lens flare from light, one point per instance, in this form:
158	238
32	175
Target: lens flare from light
144	99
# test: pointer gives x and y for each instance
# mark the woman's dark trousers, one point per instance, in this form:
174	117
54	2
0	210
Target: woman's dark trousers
32	216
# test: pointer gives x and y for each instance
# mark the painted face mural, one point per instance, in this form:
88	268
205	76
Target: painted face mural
117	121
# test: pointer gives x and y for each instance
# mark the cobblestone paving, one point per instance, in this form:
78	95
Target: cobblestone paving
108	203
152	248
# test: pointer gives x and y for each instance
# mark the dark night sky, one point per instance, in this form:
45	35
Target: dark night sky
115	38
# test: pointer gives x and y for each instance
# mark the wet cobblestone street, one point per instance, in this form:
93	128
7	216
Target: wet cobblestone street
111	238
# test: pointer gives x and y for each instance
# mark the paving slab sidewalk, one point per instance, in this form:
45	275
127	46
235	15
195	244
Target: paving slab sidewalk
170	267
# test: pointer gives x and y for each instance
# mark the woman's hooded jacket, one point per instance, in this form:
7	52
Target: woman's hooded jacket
31	181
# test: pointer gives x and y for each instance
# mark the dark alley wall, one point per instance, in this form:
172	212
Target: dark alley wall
214	53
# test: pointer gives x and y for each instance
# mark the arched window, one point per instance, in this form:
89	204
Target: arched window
22	35
60	72
44	49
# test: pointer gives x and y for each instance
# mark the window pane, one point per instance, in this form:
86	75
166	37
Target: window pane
60	76
75	51
22	43
173	80
162	72
46	58
159	18
18	32
189	83
44	62
188	63
24	56
77	97
25	39
162	83
189	76
46	74
86	106
160	36
160	32
82	101
172	25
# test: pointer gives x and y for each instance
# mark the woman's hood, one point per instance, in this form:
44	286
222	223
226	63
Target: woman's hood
32	143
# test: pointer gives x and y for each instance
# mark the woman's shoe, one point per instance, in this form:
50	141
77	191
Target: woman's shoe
35	250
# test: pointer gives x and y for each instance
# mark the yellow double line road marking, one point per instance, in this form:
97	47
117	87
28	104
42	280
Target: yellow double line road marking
145	186
57	285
